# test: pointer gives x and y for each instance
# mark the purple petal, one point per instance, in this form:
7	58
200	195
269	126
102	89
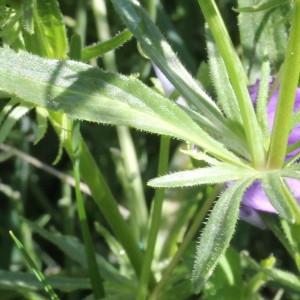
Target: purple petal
252	217
255	198
295	133
166	84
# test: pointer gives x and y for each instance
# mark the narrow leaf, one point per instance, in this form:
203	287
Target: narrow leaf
84	92
102	48
202	156
35	269
49	38
262	5
218	232
42	120
28	282
225	93
258	33
281	197
71	247
210	175
14	112
156	47
262	101
281	277
28	16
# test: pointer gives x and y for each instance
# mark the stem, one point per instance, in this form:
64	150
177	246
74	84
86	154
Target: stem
186	241
238	80
155	220
94	272
102	195
286	98
96	280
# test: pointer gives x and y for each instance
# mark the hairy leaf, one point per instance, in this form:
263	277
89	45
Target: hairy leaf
218	232
84	92
210	175
281	197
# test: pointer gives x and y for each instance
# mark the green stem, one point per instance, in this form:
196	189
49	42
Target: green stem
103	32
286	98
199	218
138	219
96	280
94	273
155	220
238	80
102	195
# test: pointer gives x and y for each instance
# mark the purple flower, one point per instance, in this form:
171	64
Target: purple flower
254	199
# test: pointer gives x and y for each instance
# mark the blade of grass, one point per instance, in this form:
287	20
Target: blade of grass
155	220
34	268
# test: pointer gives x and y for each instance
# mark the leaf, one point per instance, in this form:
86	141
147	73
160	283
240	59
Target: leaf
49	38
84	92
75	250
262	5
262	101
28	18
10	114
225	93
283	278
42	120
292	234
202	156
281	197
258	34
25	281
226	279
40	276
156	47
218	232
210	175
102	48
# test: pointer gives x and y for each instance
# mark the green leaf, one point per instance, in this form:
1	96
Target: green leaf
218	232
210	175
292	234
274	224
49	38
156	47
262	5
102	48
10	114
262	102
40	276
281	196
226	279
25	281
223	87
283	278
42	120
257	34
84	92
28	18
75	250
238	79
202	156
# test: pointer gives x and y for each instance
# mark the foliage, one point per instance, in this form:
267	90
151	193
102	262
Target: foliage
129	241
